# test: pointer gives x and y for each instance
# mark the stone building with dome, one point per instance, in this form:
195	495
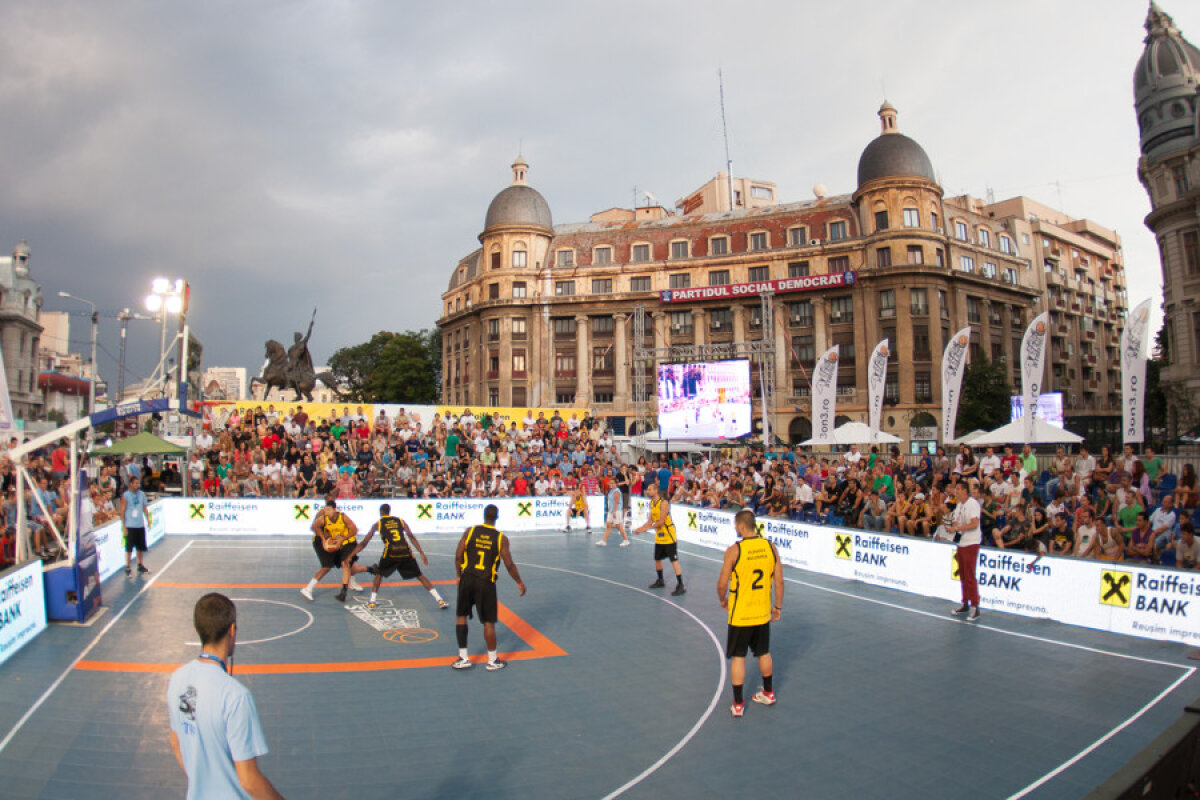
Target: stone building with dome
20	332
1166	88
541	314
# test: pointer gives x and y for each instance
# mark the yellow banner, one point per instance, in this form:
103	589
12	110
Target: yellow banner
219	413
513	416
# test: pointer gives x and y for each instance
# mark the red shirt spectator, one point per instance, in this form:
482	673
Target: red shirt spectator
520	485
590	486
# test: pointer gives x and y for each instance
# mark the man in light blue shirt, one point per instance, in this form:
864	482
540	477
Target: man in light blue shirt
133	524
215	732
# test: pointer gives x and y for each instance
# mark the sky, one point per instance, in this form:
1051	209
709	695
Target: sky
286	156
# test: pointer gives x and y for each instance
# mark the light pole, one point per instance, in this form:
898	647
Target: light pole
167	297
95	322
124	318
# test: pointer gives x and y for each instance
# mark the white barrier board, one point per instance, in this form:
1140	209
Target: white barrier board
22	608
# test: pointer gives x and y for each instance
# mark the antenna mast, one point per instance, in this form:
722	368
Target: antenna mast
725	134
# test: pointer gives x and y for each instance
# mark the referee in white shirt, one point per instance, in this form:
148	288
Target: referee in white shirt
967	536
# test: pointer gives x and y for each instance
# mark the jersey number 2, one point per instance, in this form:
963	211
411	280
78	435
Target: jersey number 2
758	576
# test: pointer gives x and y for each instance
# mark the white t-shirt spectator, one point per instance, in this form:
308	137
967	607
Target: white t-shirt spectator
804	493
204	441
852	457
964	511
989	464
1084	467
1163	519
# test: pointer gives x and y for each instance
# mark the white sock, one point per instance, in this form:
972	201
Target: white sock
462	653
491	656
436	596
312	584
372	597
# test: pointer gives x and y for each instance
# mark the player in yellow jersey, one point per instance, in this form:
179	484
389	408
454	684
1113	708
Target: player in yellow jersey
749	572
333	529
397	554
477	560
665	543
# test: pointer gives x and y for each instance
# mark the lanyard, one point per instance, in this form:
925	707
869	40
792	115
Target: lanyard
215	660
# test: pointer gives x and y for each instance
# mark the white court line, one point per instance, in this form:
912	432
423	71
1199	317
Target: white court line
650	770
46	694
301	609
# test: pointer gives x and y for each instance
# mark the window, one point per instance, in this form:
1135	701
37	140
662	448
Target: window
493	365
718	246
759	274
798	269
680	280
495	264
918	302
887	304
564	288
922	387
1196	332
679	249
681	322
967	264
761	193
1181	180
805	348
921	347
916	254
493	330
912	218
933	221
940	257
602	394
602	359
845	343
640	253
755	318
518	329
797	237
841	309
718	277
1006	246
601	285
564	397
603	256
800	313
839	264
1191	252
566	258
1009	276
493	397
564	364
603	326
989	269
720	319
960	230
891	388
985	237
519	258
881	220
883	257
493	291
518	289
973	310
564	327
801	388
640	283
837	230
758	240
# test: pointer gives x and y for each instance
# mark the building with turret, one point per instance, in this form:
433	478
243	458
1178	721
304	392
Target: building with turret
1166	88
20	332
541	314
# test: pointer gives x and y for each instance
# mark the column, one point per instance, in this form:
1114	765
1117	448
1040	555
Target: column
739	323
699	320
820	325
505	371
583	362
783	352
620	359
662	329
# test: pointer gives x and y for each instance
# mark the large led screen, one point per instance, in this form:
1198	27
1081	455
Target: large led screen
704	400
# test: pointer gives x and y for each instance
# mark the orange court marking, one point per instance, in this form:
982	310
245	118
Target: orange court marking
171	585
540	645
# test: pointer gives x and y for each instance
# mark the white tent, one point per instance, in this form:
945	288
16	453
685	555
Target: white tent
855	433
1014	433
968	438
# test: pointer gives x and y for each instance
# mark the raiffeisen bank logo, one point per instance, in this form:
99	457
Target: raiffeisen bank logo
1166	594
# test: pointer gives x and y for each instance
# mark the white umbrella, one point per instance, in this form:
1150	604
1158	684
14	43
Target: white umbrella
855	433
1014	433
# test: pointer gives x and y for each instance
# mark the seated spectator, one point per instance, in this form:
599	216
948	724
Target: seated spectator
1185	492
1186	549
1162	524
1154	467
1111	543
1062	540
1141	541
1087	543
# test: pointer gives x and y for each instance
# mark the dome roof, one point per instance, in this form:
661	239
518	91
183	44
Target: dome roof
1166	88
519	204
892	154
1167	56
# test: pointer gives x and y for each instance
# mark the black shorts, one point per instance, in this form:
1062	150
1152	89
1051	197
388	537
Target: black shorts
407	565
666	551
577	512
756	638
135	539
480	593
337	557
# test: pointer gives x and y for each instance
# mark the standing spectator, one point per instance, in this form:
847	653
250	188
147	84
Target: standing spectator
967	536
133	524
215	733
1085	465
1154	466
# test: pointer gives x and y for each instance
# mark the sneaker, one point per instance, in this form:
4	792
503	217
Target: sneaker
492	666
443	605
958	612
974	615
462	663
341	596
307	592
658	584
766	698
142	569
737	709
679	590
354	587
601	543
128	572
624	543
372	604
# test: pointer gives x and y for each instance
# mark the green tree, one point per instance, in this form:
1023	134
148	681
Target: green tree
391	368
986	400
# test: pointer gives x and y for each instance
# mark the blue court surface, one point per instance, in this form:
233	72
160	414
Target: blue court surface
612	690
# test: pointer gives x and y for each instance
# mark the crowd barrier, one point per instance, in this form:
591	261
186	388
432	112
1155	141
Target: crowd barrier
22	607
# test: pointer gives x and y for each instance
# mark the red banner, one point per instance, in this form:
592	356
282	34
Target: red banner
780	286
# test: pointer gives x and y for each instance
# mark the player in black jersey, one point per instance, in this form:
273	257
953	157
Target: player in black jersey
397	555
477	560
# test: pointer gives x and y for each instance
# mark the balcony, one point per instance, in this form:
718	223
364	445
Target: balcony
519	374
564	373
1089	335
1091	359
493	374
922	355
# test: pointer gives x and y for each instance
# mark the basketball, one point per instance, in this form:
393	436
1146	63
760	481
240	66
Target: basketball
331	544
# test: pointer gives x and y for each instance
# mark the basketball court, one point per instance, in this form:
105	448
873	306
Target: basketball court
612	690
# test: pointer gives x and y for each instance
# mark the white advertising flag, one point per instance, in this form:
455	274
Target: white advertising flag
7	423
876	379
1033	364
1133	372
824	395
954	364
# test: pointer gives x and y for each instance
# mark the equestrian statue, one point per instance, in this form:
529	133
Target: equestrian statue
291	368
